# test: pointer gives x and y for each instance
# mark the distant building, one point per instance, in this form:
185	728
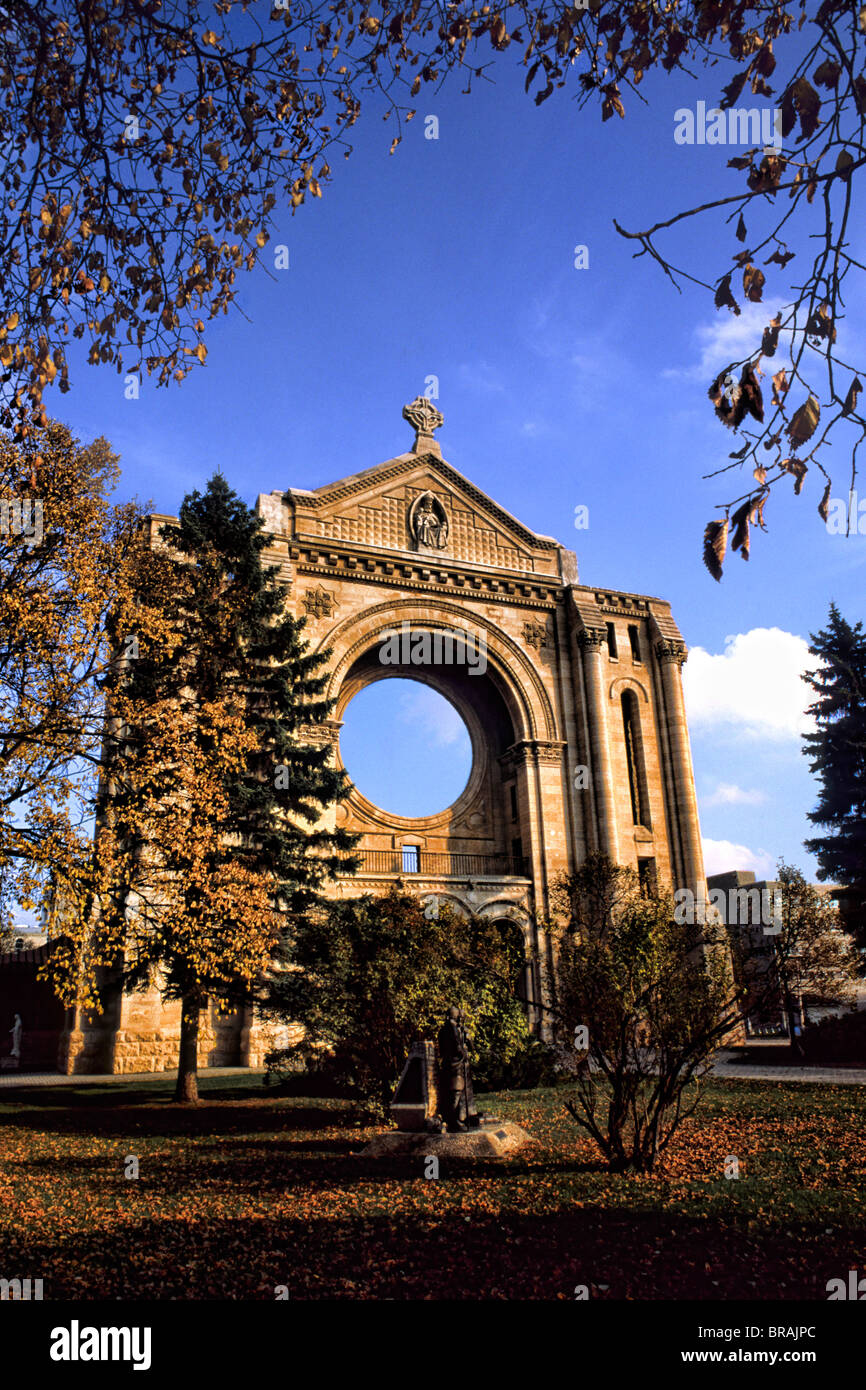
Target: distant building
749	921
27	938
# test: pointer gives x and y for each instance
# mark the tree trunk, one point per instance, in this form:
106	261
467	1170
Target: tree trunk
186	1090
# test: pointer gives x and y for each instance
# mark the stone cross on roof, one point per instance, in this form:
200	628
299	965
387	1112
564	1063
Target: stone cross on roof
424	418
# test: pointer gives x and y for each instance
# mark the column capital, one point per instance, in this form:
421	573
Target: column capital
536	750
591	638
668	650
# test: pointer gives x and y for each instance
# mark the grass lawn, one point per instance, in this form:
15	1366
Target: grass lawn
251	1191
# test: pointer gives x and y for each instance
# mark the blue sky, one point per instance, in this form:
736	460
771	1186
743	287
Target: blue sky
560	387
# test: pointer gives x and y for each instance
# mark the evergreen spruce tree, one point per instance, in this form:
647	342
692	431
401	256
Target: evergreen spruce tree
837	752
249	646
210	825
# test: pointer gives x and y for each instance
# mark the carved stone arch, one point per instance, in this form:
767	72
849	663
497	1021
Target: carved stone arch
452	900
519	683
628	683
506	910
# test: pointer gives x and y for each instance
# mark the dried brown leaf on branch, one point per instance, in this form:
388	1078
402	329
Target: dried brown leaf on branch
780	385
798	469
820	324
766	176
851	398
751	393
844	165
804	422
724	297
753	283
612	103
715	545
828	73
727	399
740	523
733	89
802	98
824	504
770	340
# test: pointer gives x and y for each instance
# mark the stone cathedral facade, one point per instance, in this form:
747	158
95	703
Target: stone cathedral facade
577	721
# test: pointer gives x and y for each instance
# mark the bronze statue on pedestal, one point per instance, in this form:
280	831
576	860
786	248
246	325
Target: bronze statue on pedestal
456	1098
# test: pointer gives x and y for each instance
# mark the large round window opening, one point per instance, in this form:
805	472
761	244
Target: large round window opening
405	747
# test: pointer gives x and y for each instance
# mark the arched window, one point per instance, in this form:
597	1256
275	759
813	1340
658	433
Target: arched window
523	974
634	758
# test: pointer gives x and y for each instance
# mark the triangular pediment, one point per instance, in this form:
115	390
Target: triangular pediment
418	503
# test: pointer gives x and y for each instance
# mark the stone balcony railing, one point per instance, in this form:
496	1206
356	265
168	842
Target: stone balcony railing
429	864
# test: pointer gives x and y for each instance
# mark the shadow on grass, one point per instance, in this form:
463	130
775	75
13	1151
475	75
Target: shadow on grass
505	1254
142	1116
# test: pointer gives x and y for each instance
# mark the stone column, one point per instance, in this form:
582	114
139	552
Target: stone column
671	656
590	641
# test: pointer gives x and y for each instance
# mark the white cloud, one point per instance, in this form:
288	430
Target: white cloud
729	794
728	338
722	855
754	686
434	718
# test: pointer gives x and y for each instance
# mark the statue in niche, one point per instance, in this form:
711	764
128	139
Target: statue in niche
429	523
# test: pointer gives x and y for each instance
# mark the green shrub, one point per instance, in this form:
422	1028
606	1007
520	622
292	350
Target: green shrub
533	1065
368	976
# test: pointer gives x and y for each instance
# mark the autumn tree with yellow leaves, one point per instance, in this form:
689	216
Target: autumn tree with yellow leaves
149	149
209	811
64	551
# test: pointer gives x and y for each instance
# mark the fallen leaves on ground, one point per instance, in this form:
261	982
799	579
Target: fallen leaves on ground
251	1192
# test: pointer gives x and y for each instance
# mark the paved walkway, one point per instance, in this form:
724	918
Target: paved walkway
726	1066
53	1078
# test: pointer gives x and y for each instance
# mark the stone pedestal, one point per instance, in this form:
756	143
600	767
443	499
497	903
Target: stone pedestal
416	1099
492	1139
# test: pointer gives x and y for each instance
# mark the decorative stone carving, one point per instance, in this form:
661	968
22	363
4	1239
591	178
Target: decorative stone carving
592	638
536	749
428	522
669	650
535	634
318	603
424	418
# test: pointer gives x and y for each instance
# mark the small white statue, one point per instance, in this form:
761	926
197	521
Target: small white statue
15	1031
